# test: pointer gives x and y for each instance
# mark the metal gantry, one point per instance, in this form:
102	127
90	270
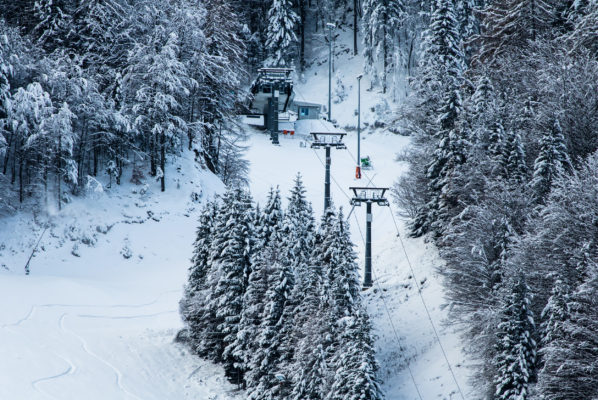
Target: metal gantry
368	195
327	140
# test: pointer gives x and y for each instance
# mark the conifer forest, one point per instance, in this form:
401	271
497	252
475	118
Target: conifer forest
137	193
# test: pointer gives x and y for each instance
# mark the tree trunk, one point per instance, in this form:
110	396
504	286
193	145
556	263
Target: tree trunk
302	13
6	158
163	161
355	26
152	155
21	180
59	167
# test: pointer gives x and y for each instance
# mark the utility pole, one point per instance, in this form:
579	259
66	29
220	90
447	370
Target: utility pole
330	27
327	140
358	169
368	195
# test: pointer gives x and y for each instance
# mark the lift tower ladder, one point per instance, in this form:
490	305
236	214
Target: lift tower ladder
327	140
368	195
272	94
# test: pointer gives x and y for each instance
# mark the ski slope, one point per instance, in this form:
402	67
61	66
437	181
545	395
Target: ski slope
393	302
97	325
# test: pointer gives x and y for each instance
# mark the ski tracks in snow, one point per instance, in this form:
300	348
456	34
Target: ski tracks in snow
71	368
84	345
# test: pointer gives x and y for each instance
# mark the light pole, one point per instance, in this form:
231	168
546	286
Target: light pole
358	168
330	27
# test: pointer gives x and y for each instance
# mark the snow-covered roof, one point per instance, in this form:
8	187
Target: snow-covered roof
305	103
306	126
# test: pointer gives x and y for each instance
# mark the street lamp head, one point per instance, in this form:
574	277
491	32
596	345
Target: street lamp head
359	77
330	25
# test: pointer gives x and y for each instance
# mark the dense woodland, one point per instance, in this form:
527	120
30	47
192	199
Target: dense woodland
504	118
277	302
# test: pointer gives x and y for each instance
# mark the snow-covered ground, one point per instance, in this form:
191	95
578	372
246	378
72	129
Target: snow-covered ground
90	323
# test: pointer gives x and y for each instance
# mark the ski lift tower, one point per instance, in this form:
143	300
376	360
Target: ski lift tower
368	195
328	140
272	94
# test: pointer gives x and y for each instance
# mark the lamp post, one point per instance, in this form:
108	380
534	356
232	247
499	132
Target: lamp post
358	168
330	27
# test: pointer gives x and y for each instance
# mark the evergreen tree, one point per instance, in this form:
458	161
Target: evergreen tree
158	80
570	358
273	353
231	253
552	160
53	21
280	35
382	22
192	306
586	24
509	25
354	363
554	315
271	220
516	349
441	70
513	164
298	234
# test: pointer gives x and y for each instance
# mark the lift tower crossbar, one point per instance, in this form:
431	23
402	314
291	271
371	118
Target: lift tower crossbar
368	195
327	140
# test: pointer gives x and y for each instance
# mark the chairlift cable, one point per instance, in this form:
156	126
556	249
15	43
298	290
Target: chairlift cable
419	291
401	348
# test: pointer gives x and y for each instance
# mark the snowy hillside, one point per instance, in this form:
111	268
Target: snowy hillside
97	316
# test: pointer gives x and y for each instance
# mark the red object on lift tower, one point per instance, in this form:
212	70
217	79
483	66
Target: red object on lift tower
358	172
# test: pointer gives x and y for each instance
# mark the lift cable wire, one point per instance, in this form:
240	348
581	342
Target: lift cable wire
332	176
401	348
419	291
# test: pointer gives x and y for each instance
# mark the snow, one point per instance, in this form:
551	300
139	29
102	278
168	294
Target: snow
97	325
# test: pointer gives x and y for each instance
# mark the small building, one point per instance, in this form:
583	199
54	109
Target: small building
306	110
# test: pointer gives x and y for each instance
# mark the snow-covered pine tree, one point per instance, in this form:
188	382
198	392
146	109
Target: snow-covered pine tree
200	261
552	160
246	343
510	25
343	272
280	35
269	362
516	348
271	220
354	363
159	80
232	249
29	109
63	140
441	69
54	18
571	357
193	305
585	18
381	23
513	164
94	31
555	313
298	234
